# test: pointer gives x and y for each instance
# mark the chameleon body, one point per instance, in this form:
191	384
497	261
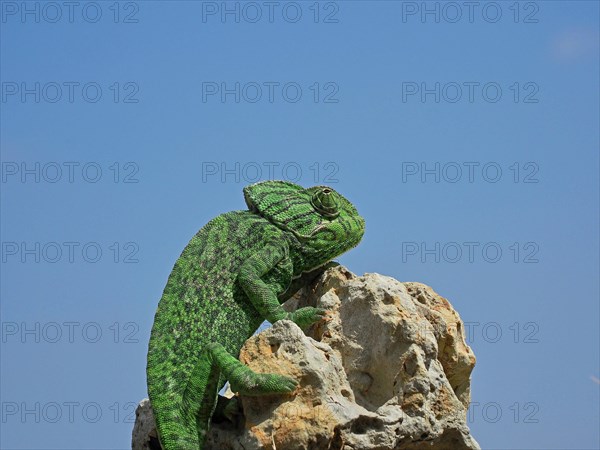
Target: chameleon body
234	274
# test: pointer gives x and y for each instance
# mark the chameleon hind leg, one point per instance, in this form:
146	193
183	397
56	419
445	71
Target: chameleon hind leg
200	396
244	380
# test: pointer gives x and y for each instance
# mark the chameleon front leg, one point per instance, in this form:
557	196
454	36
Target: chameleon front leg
305	279
263	297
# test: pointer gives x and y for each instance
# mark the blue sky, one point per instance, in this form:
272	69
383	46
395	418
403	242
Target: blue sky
468	139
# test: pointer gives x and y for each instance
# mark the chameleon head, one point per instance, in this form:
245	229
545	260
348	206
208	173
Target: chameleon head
324	221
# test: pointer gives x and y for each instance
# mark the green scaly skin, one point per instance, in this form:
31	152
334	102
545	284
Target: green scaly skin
234	274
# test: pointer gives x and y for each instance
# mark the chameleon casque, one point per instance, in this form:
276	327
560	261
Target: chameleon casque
234	274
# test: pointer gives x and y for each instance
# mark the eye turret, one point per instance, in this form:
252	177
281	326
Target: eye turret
326	203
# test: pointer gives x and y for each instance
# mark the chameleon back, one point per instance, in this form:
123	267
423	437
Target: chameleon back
201	303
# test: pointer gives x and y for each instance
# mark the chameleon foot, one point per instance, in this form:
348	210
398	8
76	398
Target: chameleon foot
246	382
304	317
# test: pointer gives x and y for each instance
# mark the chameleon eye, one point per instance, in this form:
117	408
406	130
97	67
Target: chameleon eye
325	202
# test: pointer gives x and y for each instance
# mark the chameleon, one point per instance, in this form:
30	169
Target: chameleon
234	274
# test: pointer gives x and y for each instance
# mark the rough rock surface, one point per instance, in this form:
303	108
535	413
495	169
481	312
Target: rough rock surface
389	370
144	430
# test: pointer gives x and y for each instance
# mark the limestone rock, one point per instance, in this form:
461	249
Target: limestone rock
389	370
144	435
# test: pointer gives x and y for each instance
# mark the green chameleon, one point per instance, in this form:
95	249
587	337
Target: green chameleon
234	274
